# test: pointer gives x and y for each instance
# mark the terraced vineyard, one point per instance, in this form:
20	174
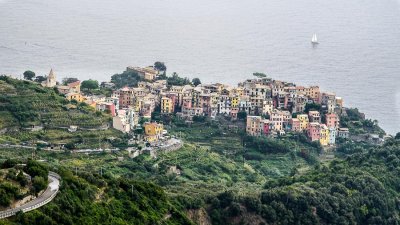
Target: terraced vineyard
25	104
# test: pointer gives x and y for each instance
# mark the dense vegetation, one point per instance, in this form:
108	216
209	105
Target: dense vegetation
362	189
357	124
14	185
127	78
175	79
92	199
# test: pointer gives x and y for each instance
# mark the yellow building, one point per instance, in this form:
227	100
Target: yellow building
324	138
167	105
313	92
91	103
137	104
303	118
148	73
153	131
239	91
75	96
234	101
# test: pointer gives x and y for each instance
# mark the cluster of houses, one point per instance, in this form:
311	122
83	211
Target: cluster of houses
126	105
283	109
272	107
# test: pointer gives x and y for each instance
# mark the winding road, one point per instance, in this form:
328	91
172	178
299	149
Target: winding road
43	199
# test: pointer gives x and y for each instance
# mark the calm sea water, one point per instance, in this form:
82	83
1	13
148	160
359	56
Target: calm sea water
217	40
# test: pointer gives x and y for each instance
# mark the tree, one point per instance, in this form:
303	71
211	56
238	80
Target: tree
39	183
5	199
259	75
242	115
29	75
9	163
127	78
312	106
34	168
160	66
68	80
196	81
177	80
22	179
397	135
199	119
40	79
90	84
70	146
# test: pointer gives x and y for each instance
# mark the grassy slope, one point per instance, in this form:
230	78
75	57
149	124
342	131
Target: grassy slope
25	103
211	161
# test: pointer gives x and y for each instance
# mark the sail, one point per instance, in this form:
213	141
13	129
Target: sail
314	38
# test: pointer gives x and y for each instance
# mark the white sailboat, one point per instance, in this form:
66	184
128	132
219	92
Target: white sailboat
314	39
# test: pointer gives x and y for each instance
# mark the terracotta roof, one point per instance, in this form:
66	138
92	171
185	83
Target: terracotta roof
74	84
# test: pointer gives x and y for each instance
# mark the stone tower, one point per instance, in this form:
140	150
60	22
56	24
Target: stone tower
51	79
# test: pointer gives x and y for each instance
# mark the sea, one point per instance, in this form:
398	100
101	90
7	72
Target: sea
358	55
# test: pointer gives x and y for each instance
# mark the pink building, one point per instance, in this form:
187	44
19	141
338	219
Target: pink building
187	103
205	103
265	127
295	124
103	106
332	120
233	113
314	131
173	97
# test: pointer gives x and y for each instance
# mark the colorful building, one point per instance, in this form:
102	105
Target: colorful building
266	127
324	137
314	116
106	107
313	92
234	101
153	131
343	133
121	122
332	120
303	118
167	105
147	73
294	125
314	131
253	127
126	97
332	136
75	96
277	120
267	107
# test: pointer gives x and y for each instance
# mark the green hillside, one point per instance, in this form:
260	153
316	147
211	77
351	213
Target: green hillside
24	104
361	189
92	199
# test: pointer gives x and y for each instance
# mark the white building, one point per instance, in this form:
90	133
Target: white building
332	136
125	120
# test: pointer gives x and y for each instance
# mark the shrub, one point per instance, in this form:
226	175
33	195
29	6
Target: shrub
39	183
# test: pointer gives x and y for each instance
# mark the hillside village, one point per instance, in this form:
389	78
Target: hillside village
271	107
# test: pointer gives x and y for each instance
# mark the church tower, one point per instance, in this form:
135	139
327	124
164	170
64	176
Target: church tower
51	79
